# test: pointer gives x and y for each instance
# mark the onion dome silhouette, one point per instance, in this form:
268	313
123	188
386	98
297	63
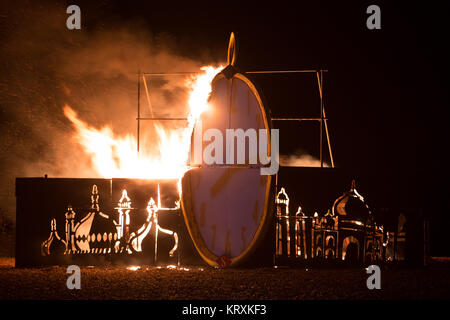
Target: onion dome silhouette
102	231
351	206
54	244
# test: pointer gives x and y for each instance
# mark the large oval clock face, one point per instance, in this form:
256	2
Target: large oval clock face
226	204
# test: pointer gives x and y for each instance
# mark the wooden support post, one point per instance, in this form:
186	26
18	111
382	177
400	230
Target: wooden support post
138	109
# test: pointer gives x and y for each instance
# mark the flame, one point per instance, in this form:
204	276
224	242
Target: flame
200	87
117	156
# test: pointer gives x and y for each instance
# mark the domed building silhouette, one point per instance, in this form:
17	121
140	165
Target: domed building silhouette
347	232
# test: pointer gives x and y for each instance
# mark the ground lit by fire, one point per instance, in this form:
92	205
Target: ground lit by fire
193	282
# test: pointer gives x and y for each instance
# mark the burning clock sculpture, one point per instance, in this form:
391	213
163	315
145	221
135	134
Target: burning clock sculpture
222	215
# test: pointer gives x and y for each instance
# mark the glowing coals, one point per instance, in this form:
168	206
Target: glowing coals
133	268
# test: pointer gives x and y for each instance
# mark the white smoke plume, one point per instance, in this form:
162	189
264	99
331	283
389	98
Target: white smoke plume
300	159
44	66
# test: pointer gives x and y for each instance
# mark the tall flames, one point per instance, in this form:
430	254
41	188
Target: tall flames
117	156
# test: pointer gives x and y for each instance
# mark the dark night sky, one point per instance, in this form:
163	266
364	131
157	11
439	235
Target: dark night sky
385	92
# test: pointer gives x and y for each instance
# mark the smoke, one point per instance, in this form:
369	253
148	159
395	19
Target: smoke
300	159
44	66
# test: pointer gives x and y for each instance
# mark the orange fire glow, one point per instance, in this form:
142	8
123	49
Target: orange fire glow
117	156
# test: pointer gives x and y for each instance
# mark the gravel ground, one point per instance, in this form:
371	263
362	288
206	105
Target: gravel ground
432	282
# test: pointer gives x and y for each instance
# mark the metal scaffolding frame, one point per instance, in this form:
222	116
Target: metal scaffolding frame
322	119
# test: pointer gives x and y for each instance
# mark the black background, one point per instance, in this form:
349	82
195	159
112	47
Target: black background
385	91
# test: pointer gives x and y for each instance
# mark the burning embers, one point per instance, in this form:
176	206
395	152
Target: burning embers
117	156
99	233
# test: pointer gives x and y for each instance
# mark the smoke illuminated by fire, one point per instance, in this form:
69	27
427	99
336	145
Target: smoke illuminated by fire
117	156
